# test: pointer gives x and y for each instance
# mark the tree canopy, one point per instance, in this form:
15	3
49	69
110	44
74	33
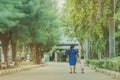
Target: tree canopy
90	20
31	22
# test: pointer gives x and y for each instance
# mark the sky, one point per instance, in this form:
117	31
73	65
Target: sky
60	3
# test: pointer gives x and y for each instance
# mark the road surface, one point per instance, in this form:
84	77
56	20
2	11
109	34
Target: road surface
56	71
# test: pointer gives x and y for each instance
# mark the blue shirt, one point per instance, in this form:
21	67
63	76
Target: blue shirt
72	52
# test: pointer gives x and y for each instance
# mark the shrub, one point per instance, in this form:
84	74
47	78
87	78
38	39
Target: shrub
111	64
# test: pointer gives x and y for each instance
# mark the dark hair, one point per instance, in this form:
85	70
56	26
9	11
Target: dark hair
82	57
72	46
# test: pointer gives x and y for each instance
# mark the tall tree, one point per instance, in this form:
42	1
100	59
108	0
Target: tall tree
41	23
8	20
88	19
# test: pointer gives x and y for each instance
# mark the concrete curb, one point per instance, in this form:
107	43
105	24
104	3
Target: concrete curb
8	71
114	74
21	68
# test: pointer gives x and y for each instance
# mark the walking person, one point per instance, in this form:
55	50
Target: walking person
72	54
82	63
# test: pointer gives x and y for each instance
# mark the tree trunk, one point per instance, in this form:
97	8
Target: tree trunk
111	24
87	48
41	53
35	53
99	9
92	52
82	49
106	53
5	43
13	44
5	50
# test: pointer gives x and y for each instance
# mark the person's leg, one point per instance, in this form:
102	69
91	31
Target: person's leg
74	68
70	69
82	70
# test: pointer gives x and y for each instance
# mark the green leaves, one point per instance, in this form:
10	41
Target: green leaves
9	15
81	17
30	20
87	19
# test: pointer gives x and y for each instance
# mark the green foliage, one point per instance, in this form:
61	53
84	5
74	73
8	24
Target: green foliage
111	64
9	15
81	19
88	19
55	48
100	47
117	19
30	21
41	21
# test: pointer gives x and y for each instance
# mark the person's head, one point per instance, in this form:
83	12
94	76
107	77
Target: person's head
82	57
72	46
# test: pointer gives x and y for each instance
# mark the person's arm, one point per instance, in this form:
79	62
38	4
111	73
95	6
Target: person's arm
77	53
67	54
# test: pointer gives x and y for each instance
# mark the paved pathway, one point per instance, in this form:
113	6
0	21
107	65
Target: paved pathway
56	71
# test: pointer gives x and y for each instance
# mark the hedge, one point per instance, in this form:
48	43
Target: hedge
111	64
